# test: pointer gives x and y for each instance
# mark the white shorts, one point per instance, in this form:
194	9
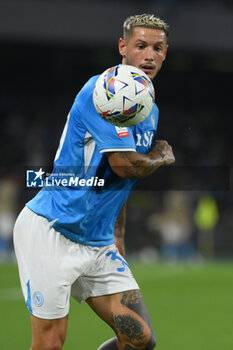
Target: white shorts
51	267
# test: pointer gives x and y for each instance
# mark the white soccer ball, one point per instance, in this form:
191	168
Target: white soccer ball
123	95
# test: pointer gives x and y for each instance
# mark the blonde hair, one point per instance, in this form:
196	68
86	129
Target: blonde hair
146	21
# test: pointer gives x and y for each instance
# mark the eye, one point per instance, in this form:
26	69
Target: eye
158	48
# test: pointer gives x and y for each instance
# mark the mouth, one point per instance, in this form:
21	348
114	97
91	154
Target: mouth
147	68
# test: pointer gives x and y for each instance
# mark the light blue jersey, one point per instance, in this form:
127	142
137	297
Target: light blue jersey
87	214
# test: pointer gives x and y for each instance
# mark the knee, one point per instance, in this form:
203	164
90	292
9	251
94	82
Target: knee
54	346
48	343
147	341
48	346
152	342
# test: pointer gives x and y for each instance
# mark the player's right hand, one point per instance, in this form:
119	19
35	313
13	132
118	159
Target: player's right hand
164	150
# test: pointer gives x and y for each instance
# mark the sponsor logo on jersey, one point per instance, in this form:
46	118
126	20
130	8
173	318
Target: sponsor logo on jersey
122	131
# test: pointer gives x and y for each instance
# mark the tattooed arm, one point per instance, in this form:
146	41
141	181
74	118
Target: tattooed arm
136	165
119	230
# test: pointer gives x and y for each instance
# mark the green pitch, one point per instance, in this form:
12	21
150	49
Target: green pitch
191	307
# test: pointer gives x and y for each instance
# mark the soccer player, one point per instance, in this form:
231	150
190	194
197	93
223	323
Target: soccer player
64	238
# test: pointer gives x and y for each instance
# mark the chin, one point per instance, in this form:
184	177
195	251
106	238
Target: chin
151	76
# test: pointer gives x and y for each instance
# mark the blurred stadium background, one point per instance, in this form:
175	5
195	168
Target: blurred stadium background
179	220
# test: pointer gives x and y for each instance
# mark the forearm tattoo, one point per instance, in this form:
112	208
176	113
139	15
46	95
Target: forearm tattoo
139	168
129	326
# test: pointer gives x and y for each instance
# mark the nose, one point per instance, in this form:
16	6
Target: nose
149	53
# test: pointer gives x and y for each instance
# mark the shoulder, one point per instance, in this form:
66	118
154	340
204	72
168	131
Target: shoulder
83	99
87	89
155	110
91	82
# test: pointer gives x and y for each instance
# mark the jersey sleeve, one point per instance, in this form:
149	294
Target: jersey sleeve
107	136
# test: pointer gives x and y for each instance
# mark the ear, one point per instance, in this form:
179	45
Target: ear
122	47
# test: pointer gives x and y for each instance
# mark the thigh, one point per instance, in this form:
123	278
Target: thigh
48	334
127	314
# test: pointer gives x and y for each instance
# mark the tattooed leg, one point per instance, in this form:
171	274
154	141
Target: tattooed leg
127	314
134	301
129	326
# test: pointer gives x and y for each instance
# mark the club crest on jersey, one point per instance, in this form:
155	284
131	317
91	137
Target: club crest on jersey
122	131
